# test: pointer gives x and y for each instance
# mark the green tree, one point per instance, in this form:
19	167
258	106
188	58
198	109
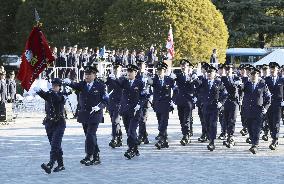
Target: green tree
198	26
252	22
8	11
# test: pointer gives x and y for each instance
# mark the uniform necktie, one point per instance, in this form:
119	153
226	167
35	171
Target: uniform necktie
274	80
89	87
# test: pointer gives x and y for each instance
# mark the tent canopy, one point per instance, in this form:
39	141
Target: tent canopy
276	56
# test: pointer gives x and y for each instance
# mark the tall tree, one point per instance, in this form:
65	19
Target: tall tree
198	26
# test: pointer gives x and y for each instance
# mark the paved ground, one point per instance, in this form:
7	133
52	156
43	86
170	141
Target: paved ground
24	146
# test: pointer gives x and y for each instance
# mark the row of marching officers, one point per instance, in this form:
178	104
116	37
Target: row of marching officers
218	94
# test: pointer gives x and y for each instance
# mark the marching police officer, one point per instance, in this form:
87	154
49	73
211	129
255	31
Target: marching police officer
54	123
132	91
114	104
231	105
184	98
275	85
162	102
143	76
256	101
212	91
92	101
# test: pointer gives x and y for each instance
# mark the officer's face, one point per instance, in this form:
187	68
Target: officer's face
229	71
55	87
221	71
211	75
131	74
265	72
243	72
254	77
90	77
160	72
184	67
274	71
117	71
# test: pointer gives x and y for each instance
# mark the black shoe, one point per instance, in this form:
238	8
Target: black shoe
130	153
244	131
88	162
119	141
59	168
185	140
265	137
211	146
143	139
222	136
47	167
253	149
190	133
112	143
202	138
273	144
84	160
248	140
96	160
229	143
162	144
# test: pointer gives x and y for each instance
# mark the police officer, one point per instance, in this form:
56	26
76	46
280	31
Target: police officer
255	104
143	76
162	102
275	85
231	105
184	98
92	100
200	98
54	123
221	73
114	104
132	91
11	88
212	91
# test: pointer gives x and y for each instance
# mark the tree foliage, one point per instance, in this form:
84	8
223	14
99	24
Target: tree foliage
198	26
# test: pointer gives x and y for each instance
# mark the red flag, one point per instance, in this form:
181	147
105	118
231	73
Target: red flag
170	44
35	58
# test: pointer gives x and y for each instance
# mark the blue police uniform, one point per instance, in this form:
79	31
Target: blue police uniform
275	86
243	119
162	98
114	108
55	125
231	106
184	100
90	96
256	98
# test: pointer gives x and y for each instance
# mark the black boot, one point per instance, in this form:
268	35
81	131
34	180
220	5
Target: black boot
211	146
60	166
244	131
229	142
222	136
273	144
253	149
47	167
162	143
131	152
86	159
248	140
185	140
202	138
96	159
143	139
113	143
265	136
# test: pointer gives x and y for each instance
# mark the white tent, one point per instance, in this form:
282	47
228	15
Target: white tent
276	56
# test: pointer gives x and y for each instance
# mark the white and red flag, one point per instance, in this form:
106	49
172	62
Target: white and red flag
170	44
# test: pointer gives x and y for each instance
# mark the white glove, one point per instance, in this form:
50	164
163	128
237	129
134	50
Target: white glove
282	104
194	77
238	82
187	78
137	107
112	76
194	100
67	81
173	76
264	111
219	105
36	89
144	79
96	108
173	104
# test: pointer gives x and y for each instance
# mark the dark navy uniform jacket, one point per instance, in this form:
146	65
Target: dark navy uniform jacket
54	106
231	88
96	96
184	91
276	89
114	98
255	100
131	95
162	94
147	92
